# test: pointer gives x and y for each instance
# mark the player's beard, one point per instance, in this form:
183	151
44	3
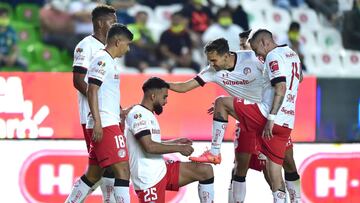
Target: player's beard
158	108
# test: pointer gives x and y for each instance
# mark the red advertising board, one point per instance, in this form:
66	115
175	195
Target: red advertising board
44	105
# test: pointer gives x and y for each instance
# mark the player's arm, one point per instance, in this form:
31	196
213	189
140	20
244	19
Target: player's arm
280	90
151	147
78	80
183	87
92	96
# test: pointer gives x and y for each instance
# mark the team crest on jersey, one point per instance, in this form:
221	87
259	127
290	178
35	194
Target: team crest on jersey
122	153
247	70
138	115
274	66
79	50
101	63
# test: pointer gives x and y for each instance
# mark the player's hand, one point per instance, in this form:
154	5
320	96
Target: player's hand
183	140
97	132
267	132
186	150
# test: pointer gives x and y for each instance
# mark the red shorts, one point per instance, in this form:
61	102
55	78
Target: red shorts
156	194
110	149
274	149
251	123
86	137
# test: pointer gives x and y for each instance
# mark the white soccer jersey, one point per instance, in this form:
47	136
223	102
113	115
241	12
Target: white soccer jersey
83	53
146	169
104	72
246	80
282	63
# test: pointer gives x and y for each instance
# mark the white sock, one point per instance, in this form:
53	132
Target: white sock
122	194
239	191
79	192
230	194
107	189
279	196
218	131
206	193
294	190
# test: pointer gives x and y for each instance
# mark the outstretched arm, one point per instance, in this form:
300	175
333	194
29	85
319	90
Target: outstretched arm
183	87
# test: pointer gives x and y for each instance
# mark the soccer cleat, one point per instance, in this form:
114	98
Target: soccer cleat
207	157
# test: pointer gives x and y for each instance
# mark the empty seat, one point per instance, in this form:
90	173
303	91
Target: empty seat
277	18
26	33
255	16
329	38
306	17
28	13
328	63
308	39
351	62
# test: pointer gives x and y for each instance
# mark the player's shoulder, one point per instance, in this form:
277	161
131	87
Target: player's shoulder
85	42
245	55
138	112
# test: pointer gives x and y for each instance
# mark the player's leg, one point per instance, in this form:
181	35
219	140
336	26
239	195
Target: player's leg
222	108
121	184
292	178
277	184
230	191
190	172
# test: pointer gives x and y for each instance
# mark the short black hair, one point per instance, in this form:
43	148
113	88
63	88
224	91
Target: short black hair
102	10
245	34
220	45
119	29
260	32
223	10
294	25
154	83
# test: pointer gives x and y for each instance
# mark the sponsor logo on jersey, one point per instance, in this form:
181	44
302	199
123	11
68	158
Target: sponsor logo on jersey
247	70
291	54
138	124
116	76
155	131
138	115
239	82
288	112
79	50
274	66
290	98
101	63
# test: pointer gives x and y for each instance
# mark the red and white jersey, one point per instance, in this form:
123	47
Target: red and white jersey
246	80
146	169
283	64
83	53
104	72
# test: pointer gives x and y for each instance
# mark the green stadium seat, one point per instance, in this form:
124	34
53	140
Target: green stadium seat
7	7
47	57
26	33
28	13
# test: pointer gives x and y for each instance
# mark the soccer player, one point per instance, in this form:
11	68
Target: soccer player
103	17
150	173
108	144
292	178
241	75
284	69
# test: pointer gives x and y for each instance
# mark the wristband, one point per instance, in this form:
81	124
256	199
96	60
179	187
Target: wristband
271	117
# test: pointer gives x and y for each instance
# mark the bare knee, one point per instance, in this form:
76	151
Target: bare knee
289	162
242	164
121	170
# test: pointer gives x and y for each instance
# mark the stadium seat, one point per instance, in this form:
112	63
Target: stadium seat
277	18
46	56
28	13
329	38
8	8
183	71
255	16
306	17
328	64
263	4
137	7
351	62
308	39
163	13
26	33
156	71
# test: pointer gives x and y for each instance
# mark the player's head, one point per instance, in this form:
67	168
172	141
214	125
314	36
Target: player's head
156	92
244	44
261	42
119	36
103	16
217	53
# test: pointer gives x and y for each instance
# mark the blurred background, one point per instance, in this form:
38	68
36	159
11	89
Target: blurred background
41	143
